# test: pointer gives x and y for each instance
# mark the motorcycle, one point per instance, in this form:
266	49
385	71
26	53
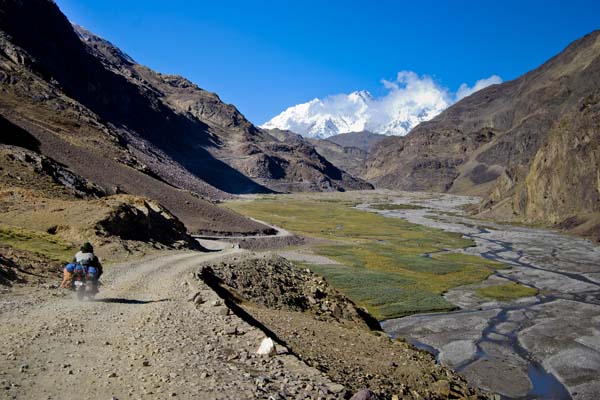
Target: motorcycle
85	281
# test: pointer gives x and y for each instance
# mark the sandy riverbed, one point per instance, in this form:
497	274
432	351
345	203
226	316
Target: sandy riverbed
545	347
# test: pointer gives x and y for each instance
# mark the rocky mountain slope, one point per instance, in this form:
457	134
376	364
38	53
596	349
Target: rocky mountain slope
530	146
126	128
48	211
364	140
235	141
347	151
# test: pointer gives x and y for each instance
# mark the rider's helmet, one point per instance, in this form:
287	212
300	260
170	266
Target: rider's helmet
87	248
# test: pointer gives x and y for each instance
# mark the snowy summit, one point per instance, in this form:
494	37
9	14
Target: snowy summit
409	100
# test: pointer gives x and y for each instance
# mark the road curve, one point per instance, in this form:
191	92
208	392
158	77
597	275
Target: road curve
142	338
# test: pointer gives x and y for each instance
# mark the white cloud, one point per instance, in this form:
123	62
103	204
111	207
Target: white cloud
410	99
464	90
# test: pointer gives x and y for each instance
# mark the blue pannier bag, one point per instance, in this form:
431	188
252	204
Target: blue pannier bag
71	267
92	272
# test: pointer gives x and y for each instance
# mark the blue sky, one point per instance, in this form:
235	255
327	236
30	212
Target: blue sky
264	56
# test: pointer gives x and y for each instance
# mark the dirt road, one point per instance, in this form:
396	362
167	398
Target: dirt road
144	338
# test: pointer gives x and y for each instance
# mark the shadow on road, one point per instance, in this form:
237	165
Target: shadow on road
127	301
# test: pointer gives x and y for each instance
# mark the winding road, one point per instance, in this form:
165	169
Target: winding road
141	338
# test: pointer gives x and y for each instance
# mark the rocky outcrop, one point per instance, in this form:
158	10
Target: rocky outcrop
527	146
276	283
300	311
564	178
138	219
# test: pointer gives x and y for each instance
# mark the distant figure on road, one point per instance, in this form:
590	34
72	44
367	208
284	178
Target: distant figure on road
85	257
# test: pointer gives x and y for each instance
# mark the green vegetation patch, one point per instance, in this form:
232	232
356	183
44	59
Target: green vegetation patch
37	242
391	207
384	264
507	292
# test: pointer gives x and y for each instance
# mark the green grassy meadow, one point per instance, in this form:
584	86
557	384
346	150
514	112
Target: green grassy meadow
507	292
390	206
37	242
384	268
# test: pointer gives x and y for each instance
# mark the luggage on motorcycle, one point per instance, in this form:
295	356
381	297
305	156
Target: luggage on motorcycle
92	272
70	267
84	258
67	281
79	270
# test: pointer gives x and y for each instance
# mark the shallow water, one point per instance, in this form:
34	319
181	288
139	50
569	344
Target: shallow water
523	349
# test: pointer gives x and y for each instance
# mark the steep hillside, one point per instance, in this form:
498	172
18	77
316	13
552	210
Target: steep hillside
129	129
48	211
564	178
347	158
530	146
364	140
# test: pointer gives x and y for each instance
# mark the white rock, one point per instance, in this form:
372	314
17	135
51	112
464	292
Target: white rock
267	347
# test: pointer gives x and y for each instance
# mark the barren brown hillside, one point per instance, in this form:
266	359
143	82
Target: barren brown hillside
530	146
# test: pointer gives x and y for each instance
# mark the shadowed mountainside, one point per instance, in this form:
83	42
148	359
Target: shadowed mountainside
89	106
364	140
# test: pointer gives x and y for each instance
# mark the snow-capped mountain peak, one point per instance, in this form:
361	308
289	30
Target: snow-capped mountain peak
409	100
327	117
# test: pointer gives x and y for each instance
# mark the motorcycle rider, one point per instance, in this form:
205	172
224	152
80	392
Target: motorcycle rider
85	256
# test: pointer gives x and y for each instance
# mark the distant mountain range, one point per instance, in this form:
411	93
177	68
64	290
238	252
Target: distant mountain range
409	100
355	112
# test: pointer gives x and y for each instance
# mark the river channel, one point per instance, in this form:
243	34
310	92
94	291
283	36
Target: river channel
542	347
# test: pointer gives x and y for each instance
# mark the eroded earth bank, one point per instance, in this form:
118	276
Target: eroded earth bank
541	346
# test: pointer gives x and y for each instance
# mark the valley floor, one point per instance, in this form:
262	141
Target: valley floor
142	338
156	331
517	312
521	347
521	319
